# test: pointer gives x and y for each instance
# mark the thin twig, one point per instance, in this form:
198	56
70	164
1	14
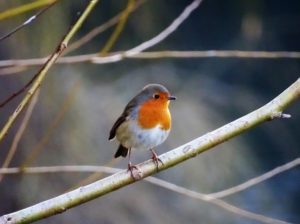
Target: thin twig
43	71
120	26
221	194
24	8
8	70
58	169
162	183
96	31
12	70
219	54
67	102
117	56
93	177
14	95
20	132
218	202
28	21
256	180
145	45
157	55
155	40
189	150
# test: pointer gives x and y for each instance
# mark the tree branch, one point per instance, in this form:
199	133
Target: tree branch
215	201
65	106
24	8
39	77
255	180
189	150
31	19
173	187
99	29
155	40
104	169
21	63
119	28
12	150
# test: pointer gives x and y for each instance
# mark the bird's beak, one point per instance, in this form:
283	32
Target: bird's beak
171	98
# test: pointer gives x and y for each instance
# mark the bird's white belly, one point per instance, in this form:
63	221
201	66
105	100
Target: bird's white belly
130	135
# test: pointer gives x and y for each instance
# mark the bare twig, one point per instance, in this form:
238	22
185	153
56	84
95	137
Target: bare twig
12	70
189	150
145	45
43	71
120	26
24	8
156	181
218	54
93	177
20	132
157	55
221	194
67	102
58	169
218	202
73	46
118	56
28	21
155	40
96	31
14	95
256	180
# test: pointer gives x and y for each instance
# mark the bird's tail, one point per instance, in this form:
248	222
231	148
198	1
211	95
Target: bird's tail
122	151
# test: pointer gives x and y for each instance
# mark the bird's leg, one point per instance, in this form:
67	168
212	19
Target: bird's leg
156	159
132	167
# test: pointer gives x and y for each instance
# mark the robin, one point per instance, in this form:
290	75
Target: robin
144	124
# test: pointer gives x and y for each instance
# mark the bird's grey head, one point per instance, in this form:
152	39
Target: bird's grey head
155	91
153	88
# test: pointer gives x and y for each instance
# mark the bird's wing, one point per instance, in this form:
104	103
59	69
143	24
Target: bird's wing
129	111
113	130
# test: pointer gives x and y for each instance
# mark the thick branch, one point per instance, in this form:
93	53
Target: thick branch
191	149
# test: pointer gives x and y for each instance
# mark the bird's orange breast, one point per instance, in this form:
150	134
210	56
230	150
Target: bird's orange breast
154	112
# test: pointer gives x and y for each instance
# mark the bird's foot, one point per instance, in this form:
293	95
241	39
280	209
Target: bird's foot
135	172
156	159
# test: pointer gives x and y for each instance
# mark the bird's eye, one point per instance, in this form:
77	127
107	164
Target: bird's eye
155	96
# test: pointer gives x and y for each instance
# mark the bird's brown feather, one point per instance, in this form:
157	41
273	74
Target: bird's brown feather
124	116
113	130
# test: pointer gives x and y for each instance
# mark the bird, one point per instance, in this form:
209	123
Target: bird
144	124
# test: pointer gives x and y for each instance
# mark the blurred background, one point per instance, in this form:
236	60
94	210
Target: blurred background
78	104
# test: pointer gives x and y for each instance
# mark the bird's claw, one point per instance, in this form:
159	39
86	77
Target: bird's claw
135	175
156	159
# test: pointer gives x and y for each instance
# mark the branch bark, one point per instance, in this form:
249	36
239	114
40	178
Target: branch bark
189	150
